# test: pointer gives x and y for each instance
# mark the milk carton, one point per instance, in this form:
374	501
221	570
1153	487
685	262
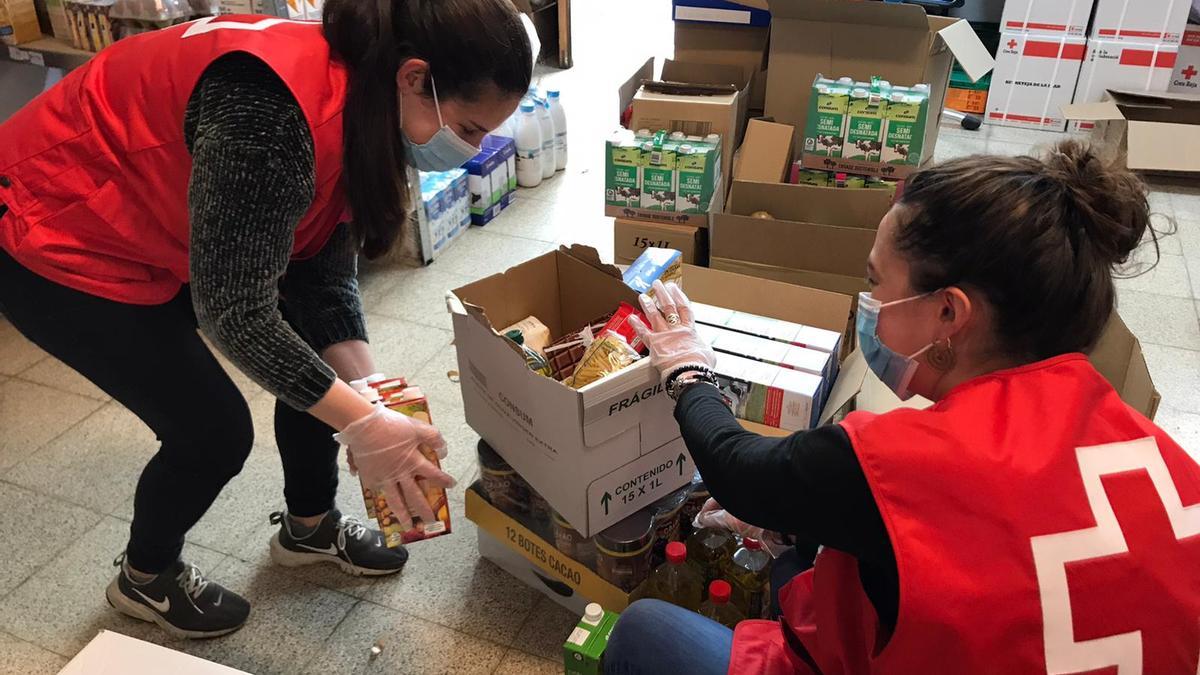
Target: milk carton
864	125
904	132
658	173
697	170
826	129
623	170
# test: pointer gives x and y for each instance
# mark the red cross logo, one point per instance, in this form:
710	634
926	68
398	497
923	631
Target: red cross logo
1141	562
1012	44
1190	72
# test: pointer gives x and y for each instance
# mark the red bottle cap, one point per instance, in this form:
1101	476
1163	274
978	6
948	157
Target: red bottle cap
752	544
718	592
676	553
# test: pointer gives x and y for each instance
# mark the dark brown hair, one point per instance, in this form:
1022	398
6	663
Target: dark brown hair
1040	238
469	45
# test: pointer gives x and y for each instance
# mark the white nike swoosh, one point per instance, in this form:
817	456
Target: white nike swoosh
161	606
331	549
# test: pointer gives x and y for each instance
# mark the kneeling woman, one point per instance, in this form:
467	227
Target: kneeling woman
1028	522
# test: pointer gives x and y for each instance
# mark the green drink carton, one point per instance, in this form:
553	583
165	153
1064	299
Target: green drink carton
584	649
658	161
905	127
825	131
864	125
803	176
623	170
697	168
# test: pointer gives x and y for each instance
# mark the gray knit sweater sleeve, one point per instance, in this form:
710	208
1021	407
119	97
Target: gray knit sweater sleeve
252	180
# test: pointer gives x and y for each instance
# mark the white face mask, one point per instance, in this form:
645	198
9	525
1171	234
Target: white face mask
444	151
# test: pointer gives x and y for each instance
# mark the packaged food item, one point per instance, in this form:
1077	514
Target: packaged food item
698	168
718	607
708	548
623	170
619	324
608	353
675	581
623	551
658	163
904	136
412	402
501	484
654	264
535	333
540	513
749	573
564	353
827	108
666	523
535	361
571	543
864	126
803	176
697	494
583	651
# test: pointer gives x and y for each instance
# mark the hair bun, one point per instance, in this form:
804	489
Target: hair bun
1107	200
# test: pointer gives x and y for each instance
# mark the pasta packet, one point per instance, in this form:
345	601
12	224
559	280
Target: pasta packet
607	354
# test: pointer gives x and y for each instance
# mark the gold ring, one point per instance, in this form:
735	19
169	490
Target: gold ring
673	319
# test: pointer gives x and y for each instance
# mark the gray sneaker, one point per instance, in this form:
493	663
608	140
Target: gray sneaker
180	600
337	539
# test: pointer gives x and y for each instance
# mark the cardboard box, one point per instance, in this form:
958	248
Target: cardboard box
697	115
1047	17
1187	67
727	44
1132	66
111	652
576	446
631	237
18	22
1161	21
720	12
897	42
1151	133
819	237
766	152
1034	77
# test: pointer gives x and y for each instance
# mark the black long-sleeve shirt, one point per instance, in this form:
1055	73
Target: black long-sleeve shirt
253	178
809	484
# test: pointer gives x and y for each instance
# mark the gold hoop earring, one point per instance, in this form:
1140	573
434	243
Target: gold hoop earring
941	356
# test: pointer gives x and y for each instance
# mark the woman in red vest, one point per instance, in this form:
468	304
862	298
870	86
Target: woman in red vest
203	176
1028	522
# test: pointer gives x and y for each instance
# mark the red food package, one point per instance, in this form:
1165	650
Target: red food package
619	324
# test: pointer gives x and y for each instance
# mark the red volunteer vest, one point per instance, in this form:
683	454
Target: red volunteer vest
1040	526
98	169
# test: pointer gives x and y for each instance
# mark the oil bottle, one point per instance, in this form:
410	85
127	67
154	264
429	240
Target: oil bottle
749	572
675	581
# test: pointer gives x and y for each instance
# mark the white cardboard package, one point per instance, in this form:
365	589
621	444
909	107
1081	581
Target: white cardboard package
1034	77
1129	66
1187	67
1046	17
1141	20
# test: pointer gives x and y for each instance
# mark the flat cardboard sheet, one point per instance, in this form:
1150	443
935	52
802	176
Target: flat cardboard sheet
111	653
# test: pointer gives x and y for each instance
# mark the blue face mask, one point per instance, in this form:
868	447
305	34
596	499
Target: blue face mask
894	370
444	151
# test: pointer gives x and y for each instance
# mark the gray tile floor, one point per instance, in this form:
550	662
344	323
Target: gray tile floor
69	456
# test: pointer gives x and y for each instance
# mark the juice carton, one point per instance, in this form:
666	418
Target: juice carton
905	127
654	264
825	133
412	402
658	173
864	125
697	169
623	170
584	648
803	176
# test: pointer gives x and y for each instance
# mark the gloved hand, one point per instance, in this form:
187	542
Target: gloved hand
671	336
384	448
712	515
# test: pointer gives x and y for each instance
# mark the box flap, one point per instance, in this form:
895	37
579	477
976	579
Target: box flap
742	46
809	306
766	152
861	208
1118	357
829	249
1160	146
703	73
1093	112
629	88
966	46
846	387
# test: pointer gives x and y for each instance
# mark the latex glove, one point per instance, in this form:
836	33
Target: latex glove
671	345
712	515
384	448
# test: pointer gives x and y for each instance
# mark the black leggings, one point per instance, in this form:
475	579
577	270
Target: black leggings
152	360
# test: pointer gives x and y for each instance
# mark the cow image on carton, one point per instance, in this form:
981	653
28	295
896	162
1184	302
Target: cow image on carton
825	132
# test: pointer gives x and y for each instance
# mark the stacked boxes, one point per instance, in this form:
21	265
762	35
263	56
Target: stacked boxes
1187	66
662	172
491	178
1034	78
446	205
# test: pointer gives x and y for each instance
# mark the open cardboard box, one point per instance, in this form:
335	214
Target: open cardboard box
1157	133
632	237
576	446
727	44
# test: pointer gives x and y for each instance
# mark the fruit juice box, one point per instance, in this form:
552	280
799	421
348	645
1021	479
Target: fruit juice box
864	125
904	134
658	161
825	131
623	170
412	402
584	648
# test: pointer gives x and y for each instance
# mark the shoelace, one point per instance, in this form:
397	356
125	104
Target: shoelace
192	581
351	526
